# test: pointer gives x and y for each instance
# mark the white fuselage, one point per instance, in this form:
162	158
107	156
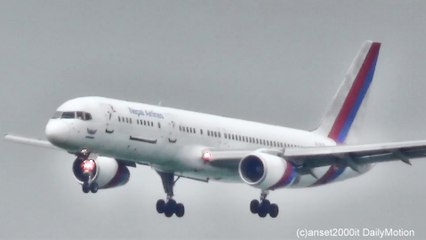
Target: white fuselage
170	139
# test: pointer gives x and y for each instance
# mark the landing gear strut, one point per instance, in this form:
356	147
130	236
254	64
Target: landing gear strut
264	207
169	206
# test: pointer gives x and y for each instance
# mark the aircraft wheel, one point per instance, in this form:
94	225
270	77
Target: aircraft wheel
273	210
266	203
180	210
264	208
94	187
262	212
161	204
170	208
168	211
254	206
86	187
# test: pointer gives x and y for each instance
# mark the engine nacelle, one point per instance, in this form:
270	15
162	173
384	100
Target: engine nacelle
266	171
106	172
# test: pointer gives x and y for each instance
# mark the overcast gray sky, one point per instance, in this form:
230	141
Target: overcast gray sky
276	62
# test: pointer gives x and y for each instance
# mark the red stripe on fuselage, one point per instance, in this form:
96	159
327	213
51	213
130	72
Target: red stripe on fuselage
332	173
286	178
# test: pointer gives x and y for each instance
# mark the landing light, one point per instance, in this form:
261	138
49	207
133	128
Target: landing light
88	166
207	156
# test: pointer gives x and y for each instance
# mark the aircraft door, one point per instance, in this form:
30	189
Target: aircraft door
109	115
172	132
225	141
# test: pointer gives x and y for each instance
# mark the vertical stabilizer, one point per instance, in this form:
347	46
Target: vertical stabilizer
342	112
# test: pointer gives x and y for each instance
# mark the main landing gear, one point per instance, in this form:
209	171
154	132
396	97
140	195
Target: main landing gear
264	207
169	206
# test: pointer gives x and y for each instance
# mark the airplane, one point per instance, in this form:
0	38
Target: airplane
108	136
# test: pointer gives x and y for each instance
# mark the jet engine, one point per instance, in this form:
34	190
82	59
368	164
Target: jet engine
266	171
100	173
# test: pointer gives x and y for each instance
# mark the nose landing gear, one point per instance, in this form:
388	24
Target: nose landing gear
86	170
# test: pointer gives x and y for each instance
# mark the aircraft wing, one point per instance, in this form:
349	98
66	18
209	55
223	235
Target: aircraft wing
357	154
30	141
312	157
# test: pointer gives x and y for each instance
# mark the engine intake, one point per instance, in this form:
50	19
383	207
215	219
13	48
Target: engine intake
252	169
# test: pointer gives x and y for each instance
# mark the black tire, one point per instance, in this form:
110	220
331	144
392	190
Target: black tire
94	187
161	204
169	209
172	203
179	210
267	203
262	212
86	187
254	206
264	208
273	210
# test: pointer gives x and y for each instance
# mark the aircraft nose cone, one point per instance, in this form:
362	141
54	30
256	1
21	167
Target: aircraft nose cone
56	132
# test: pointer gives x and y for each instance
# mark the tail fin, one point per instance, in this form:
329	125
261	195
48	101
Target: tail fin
338	120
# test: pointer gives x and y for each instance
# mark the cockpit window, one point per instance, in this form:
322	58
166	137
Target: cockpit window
73	115
87	116
57	115
68	115
80	115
